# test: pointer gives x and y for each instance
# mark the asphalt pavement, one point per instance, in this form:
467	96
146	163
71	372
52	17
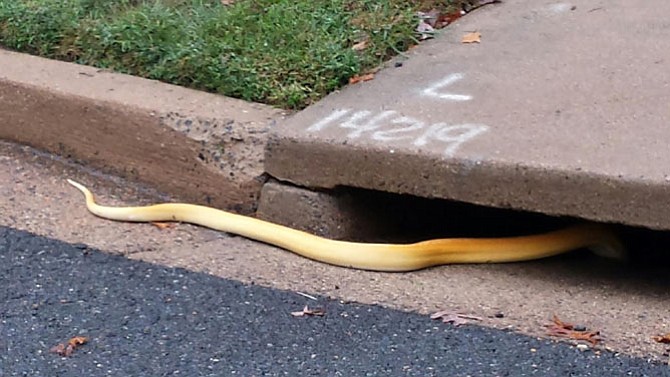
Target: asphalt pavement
147	320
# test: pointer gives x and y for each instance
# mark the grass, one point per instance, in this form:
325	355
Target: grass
287	53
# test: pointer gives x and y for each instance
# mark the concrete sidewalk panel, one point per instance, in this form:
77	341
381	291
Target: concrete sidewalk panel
562	108
197	146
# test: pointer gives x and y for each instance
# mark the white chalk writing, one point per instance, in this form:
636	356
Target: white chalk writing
335	115
434	90
399	133
359	126
454	136
388	126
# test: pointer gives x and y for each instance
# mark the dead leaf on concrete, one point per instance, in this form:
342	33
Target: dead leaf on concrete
306	311
356	79
66	350
562	329
474	37
454	318
665	339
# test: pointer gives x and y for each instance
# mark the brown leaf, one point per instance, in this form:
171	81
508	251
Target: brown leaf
562	329
306	311
162	226
455	319
357	78
59	349
67	350
665	339
474	37
77	341
227	2
561	324
360	46
447	18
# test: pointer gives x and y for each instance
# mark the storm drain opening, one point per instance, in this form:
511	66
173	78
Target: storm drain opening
398	218
362	215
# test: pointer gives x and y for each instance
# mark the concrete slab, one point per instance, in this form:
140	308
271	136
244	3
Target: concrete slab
562	108
199	147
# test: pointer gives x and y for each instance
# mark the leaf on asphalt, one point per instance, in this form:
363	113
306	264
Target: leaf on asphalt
474	37
362	78
665	339
67	349
454	318
161	225
562	329
306	311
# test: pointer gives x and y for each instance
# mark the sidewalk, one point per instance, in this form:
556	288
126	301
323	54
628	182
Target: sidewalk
562	108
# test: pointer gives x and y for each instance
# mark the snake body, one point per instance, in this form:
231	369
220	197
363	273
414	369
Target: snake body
372	256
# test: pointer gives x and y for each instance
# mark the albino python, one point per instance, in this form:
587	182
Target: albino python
373	256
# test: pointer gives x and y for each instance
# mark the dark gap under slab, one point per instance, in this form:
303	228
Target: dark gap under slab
373	216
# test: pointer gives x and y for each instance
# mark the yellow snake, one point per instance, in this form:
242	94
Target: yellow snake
373	256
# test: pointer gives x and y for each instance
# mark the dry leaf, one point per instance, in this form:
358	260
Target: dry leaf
60	349
455	319
474	37
67	350
562	329
227	2
77	340
360	46
162	226
306	311
357	78
560	324
445	19
665	339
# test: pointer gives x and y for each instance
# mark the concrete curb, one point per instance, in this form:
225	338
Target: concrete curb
199	147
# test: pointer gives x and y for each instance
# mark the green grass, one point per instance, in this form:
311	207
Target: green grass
287	53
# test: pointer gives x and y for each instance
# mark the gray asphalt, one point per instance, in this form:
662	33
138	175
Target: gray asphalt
148	320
